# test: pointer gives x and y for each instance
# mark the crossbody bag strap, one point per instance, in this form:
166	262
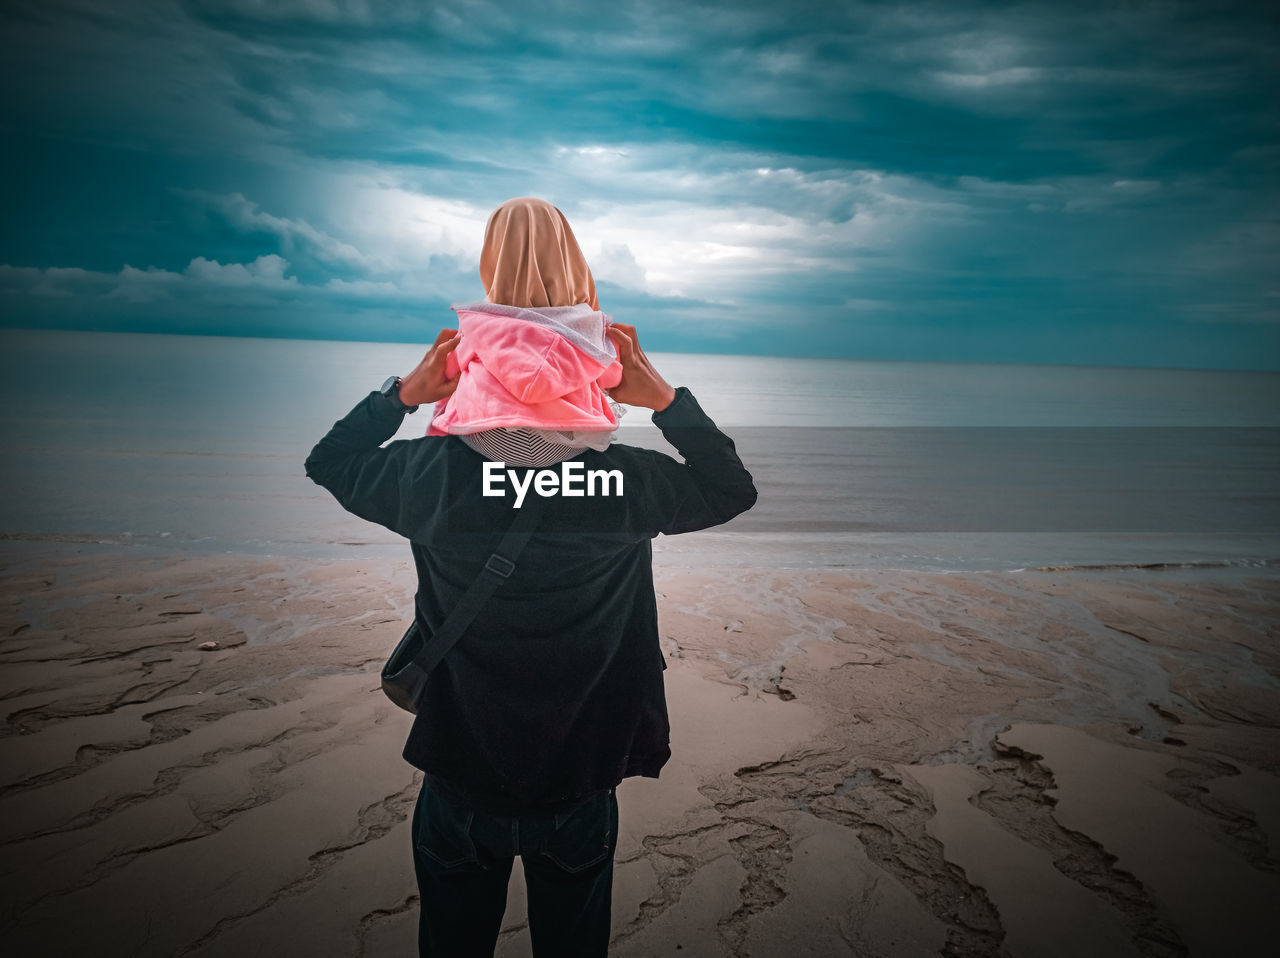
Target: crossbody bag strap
500	564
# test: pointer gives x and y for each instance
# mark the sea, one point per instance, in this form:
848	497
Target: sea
174	444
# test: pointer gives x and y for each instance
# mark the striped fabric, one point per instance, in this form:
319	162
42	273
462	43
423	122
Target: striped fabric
519	447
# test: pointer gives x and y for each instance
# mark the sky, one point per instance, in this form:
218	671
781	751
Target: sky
1075	183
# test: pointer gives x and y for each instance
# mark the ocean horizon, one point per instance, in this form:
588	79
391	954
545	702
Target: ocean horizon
160	442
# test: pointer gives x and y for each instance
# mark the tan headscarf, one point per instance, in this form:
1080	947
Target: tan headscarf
531	257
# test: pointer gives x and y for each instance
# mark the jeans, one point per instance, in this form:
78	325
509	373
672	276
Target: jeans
463	860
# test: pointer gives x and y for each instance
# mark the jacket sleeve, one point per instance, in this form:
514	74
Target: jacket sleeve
364	476
710	487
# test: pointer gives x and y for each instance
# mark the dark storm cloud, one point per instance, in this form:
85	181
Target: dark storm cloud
1036	182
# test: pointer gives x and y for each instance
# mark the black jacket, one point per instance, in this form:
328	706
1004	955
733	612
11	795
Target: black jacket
556	689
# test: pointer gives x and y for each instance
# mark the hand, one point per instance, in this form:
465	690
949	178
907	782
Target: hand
640	385
428	381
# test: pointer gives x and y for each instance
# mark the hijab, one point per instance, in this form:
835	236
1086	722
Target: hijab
531	257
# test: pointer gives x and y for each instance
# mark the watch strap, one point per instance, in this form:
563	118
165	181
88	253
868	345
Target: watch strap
391	389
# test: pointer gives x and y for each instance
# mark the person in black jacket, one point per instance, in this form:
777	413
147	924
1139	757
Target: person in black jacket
554	694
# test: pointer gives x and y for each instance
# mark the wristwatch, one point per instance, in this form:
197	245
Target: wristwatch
391	389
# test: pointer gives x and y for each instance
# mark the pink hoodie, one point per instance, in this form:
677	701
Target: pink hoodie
541	366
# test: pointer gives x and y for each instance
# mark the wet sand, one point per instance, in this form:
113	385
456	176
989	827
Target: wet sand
1064	762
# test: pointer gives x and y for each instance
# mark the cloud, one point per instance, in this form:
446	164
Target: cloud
617	264
974	164
265	271
293	234
1008	76
209	280
53	281
372	12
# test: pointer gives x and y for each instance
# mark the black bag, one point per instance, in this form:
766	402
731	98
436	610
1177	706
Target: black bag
404	677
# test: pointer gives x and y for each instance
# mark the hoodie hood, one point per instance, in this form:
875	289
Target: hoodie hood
580	325
544	367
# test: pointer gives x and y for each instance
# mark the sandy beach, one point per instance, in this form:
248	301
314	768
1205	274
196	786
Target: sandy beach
1061	762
